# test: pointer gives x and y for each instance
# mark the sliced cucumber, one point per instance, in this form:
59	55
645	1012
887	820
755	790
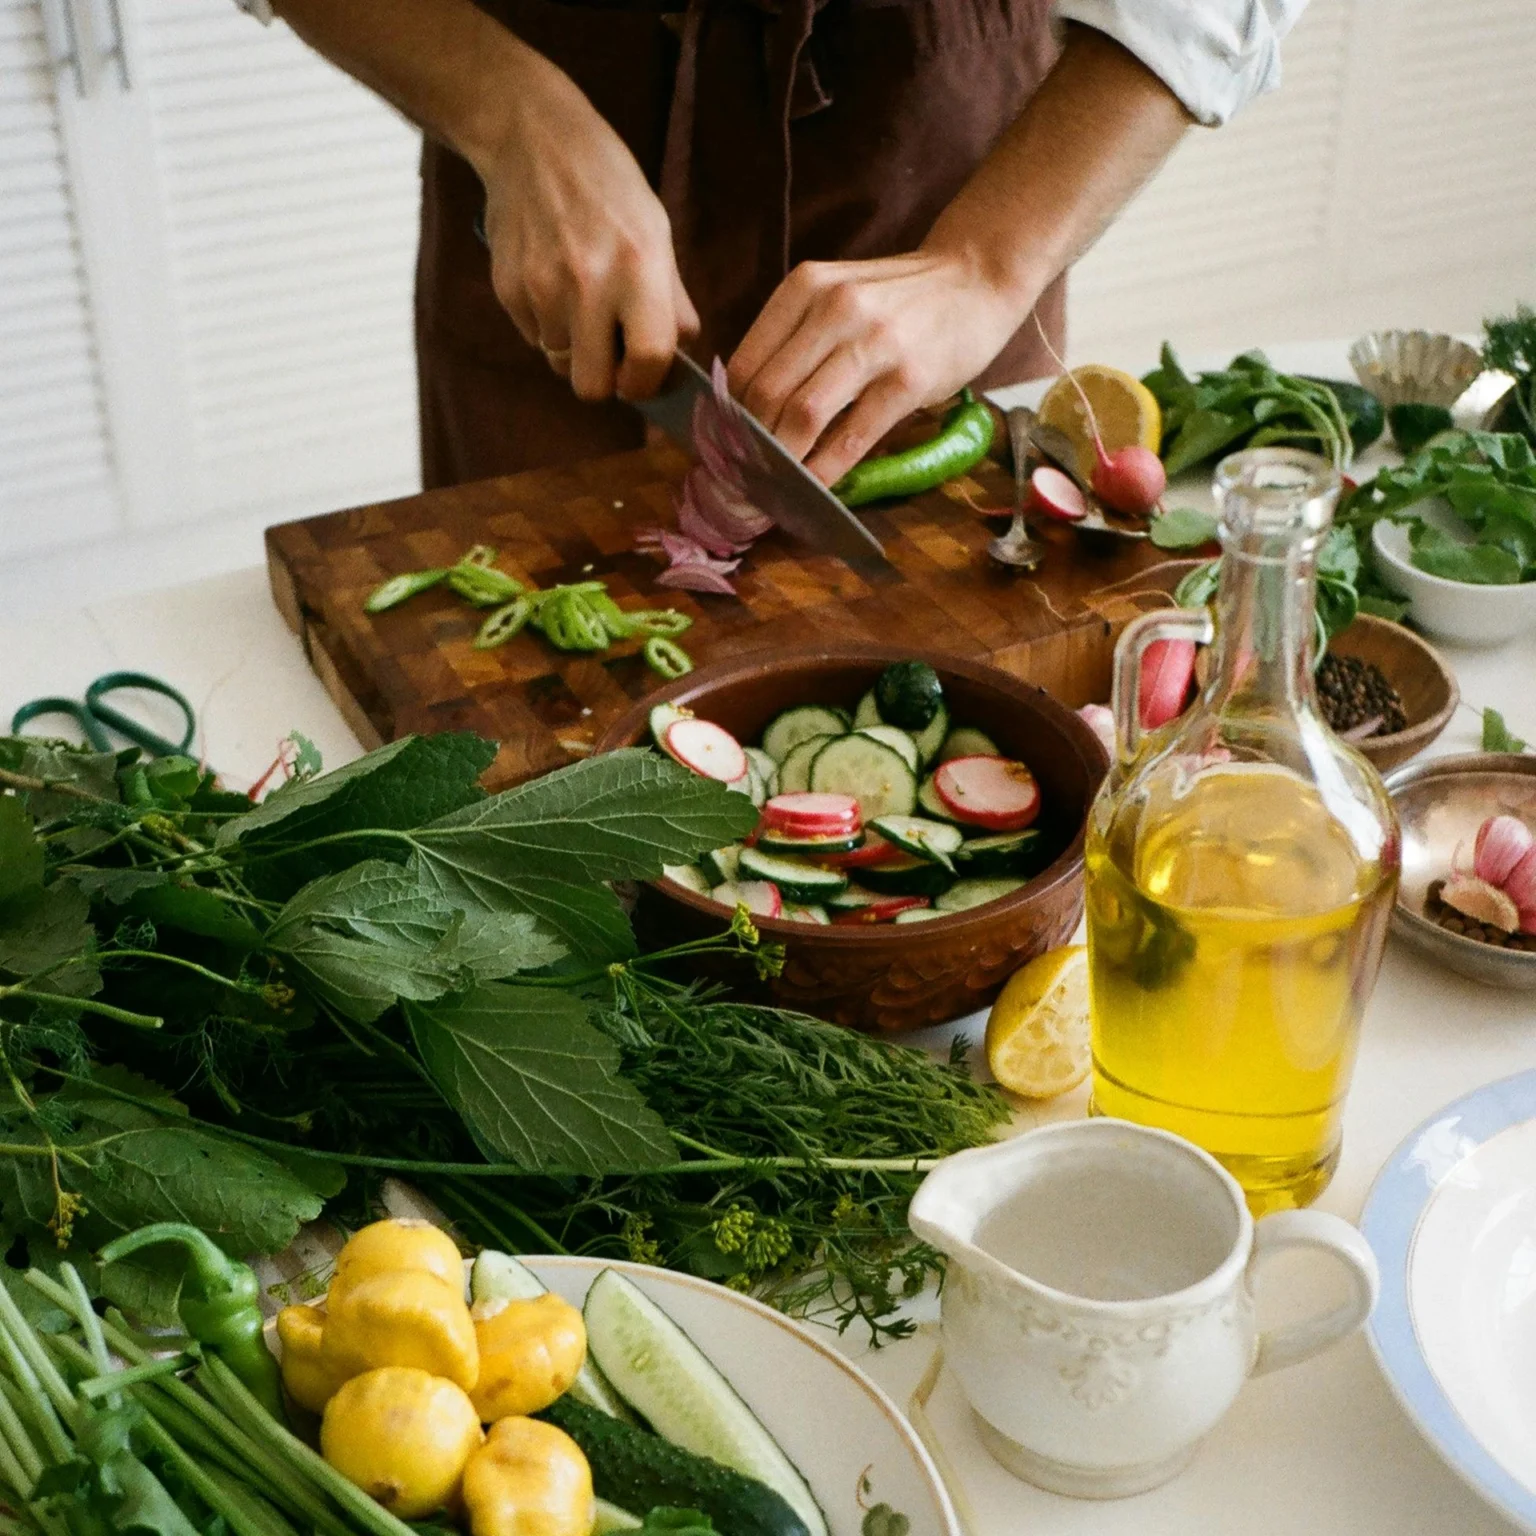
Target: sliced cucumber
907	876
767	770
662	716
897	740
936	840
967	741
797	881
721	865
671	1383
498	1276
876	775
844	715
785	732
690	877
928	801
795	770
851	899
931	738
965	894
918	915
806	847
867	713
1004	853
811	914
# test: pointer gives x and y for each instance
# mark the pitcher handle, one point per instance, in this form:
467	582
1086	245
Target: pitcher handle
1294	1342
1165	624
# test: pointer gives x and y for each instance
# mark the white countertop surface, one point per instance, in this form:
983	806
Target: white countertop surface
1318	1449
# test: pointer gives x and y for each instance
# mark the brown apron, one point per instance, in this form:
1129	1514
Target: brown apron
777	131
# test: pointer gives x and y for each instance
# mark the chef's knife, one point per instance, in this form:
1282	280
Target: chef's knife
777	483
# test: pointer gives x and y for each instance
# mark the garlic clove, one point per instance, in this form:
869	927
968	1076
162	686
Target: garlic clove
1520	883
1502	841
1482	902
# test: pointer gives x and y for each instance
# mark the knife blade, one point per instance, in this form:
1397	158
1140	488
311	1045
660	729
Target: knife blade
779	484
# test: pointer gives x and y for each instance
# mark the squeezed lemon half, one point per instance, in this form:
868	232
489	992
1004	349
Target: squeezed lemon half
1037	1033
1126	409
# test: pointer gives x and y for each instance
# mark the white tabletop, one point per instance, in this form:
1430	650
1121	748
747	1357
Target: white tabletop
1318	1449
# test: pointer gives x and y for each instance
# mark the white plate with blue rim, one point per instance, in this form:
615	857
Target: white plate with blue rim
1452	1220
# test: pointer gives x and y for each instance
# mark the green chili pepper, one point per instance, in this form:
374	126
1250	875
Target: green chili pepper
961	443
391	593
220	1305
504	623
483	586
659	621
571	623
478	554
619	625
667	657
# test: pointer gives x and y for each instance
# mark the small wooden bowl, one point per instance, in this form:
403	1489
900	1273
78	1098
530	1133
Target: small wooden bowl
1425	684
895	976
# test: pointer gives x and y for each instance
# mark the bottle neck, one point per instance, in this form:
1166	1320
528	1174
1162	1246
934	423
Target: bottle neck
1266	632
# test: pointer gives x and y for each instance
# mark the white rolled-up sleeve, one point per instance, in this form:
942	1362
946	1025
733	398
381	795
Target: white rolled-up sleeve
1214	55
260	9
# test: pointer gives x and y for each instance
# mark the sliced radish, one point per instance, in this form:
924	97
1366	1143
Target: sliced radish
881	911
992	792
1166	669
807	813
1055	495
760	897
707	749
873	850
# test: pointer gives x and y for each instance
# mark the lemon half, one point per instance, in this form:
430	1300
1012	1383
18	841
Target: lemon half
1126	409
1037	1033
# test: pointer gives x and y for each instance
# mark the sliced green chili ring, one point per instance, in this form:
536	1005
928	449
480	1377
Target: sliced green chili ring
667	657
504	623
618	624
478	554
391	593
569	623
659	621
483	586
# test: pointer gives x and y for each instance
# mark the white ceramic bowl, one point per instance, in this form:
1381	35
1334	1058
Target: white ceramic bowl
1461	611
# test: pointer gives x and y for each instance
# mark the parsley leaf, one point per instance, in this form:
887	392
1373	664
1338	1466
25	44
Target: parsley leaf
1183	528
1497	737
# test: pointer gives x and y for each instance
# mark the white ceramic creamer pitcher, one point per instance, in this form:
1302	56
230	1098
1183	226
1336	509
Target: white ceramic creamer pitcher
1098	1311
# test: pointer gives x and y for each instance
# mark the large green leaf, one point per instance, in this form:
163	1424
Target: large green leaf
617	817
47	935
368	935
57	762
21	854
495	945
535	1083
194	910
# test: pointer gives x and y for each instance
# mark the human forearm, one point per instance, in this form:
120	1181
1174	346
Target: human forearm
1090	138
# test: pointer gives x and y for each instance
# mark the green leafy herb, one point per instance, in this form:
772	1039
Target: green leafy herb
1497	737
1509	346
882	1520
1183	528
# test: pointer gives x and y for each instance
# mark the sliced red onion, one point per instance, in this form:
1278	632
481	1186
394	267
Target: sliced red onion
725	508
1502	841
691	522
697	578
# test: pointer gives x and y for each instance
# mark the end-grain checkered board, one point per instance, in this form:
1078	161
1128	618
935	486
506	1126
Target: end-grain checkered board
414	669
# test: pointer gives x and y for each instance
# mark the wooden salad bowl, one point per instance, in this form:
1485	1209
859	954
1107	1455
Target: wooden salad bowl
893	977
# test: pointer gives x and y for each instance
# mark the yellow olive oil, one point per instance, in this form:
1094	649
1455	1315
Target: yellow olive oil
1234	934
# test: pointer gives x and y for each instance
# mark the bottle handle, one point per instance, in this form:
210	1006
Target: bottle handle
1294	1342
1165	624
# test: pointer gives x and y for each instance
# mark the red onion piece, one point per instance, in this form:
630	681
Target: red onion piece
697	578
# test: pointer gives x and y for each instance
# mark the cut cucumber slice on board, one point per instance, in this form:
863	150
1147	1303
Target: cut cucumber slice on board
795	770
787	731
721	864
967	741
867	713
690	877
671	1383
936	840
498	1276
797	881
965	894
897	741
876	776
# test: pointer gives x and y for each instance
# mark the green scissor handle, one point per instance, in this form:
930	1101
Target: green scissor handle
96	713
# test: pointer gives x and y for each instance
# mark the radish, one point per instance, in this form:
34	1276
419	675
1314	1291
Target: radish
760	897
991	792
873	850
806	813
706	749
880	911
1100	719
1130	480
1055	495
1502	841
1166	669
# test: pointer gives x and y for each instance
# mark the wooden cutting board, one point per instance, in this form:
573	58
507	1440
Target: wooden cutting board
414	670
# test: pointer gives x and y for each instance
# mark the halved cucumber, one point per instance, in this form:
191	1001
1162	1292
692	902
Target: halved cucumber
928	801
496	1276
786	731
797	881
1004	853
907	876
766	769
867	712
795	770
965	894
720	865
690	877
876	775
897	741
811	914
669	1380
662	716
936	840
967	741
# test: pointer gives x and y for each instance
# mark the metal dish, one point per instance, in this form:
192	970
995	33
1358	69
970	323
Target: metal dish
1440	804
1423	367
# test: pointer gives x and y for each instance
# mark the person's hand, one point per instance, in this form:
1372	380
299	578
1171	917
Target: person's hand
581	248
844	349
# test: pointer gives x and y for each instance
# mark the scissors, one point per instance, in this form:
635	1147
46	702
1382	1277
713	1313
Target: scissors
95	716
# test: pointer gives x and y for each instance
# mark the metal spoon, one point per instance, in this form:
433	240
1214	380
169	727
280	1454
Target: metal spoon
1054	444
1016	548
